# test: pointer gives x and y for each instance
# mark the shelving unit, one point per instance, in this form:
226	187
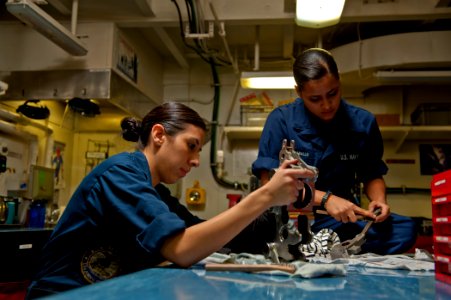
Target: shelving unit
400	134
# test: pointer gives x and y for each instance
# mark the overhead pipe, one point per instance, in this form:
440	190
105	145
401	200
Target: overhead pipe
257	49
319	41
74	17
222	34
11	129
12	117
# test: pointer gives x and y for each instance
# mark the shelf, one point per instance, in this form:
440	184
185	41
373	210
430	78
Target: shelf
400	134
397	133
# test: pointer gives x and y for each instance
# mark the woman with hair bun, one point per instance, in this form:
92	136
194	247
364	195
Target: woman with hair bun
117	223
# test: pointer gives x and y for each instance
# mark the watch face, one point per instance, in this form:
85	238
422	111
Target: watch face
100	263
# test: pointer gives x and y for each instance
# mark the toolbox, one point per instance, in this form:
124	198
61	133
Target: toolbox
441	222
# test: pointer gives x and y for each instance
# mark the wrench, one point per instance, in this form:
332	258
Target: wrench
352	246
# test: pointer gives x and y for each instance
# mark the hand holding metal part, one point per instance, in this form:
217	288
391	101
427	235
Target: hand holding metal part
286	234
352	246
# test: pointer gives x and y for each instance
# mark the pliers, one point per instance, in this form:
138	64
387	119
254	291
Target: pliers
352	246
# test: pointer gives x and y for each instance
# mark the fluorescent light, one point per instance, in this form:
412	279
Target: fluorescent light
318	13
267	80
414	76
32	15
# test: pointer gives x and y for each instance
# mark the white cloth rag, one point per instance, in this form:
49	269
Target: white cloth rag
303	269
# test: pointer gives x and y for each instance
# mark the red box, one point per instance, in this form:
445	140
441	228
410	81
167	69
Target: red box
441	206
441	184
442	244
442	225
443	268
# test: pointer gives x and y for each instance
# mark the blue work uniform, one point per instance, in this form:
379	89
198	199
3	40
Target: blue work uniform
347	151
114	224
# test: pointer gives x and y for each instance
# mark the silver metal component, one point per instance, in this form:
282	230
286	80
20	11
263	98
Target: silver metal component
288	153
286	233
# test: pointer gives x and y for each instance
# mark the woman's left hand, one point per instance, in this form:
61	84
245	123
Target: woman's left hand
385	210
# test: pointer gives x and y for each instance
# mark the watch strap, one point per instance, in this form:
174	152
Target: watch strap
325	198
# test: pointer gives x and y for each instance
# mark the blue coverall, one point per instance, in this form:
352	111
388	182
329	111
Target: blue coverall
347	151
115	223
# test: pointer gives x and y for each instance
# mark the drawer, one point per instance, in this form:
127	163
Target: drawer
441	206
441	184
442	245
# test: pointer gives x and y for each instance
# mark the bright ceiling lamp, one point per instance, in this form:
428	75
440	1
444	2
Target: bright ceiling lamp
32	15
318	13
267	80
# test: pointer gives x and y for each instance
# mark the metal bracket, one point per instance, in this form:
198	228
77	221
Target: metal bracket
210	33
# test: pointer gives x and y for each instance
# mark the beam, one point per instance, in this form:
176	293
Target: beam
145	7
61	7
169	43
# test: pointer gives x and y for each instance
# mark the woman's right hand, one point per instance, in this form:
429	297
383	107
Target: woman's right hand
345	211
285	185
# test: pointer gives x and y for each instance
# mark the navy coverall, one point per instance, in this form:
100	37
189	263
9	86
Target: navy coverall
115	223
347	151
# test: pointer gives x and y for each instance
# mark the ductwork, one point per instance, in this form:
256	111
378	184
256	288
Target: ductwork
98	84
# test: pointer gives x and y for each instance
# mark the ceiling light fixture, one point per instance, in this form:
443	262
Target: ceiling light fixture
32	15
318	13
267	80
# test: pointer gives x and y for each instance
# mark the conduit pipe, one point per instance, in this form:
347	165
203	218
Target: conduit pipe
11	129
214	125
12	117
222	34
74	17
257	49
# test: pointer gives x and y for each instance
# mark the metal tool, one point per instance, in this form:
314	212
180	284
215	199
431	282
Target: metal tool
287	152
286	234
352	246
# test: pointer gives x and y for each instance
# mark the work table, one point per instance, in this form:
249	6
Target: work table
196	283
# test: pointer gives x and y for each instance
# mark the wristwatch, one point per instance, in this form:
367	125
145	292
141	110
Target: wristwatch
325	198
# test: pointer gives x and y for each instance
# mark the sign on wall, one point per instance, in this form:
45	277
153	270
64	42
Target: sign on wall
127	60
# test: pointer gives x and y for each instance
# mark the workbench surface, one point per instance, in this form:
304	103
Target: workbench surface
196	283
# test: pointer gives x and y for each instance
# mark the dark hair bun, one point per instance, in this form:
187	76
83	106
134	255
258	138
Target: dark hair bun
131	129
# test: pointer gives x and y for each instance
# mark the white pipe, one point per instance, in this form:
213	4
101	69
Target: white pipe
48	148
12	117
13	130
257	49
222	34
74	17
319	42
235	96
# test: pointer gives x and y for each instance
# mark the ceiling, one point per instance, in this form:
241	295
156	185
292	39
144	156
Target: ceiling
257	34
270	23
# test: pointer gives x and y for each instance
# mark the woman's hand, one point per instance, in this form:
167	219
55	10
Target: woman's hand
345	211
385	210
285	185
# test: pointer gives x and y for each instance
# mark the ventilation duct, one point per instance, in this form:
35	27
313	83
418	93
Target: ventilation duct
100	85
